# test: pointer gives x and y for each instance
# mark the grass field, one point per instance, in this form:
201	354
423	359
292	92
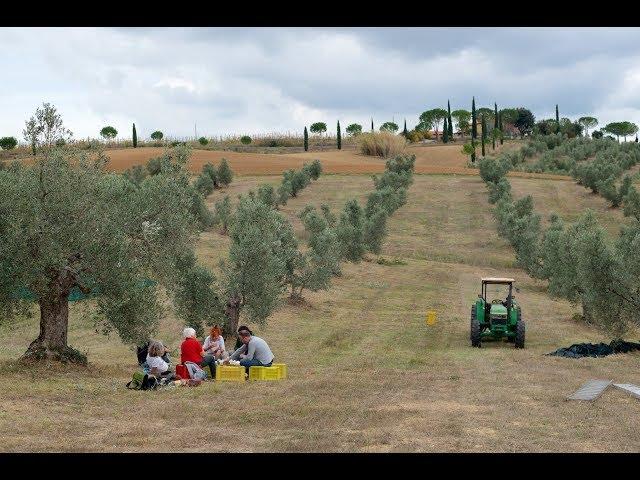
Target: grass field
366	373
430	159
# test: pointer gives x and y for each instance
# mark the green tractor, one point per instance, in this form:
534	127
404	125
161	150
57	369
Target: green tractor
496	319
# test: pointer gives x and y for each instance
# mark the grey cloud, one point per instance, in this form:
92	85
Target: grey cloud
261	78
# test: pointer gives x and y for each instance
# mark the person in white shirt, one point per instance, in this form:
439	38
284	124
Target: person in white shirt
157	366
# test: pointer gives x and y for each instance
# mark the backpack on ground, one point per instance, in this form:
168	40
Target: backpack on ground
142	381
195	371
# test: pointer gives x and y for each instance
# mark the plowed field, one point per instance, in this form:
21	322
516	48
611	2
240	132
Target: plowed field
435	159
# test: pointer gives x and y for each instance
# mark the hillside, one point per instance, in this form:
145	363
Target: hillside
365	372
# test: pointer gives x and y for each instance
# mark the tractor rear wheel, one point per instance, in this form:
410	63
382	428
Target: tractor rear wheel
475	329
519	333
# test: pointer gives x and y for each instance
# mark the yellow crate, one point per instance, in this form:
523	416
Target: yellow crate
230	373
256	373
265	373
283	369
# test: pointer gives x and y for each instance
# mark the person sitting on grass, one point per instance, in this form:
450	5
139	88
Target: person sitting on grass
214	343
142	352
254	352
191	351
238	340
157	366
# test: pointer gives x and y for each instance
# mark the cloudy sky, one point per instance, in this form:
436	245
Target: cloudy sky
260	80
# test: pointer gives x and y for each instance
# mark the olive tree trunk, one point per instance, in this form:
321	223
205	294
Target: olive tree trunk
232	311
51	343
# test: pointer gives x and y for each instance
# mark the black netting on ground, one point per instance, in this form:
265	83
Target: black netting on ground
578	350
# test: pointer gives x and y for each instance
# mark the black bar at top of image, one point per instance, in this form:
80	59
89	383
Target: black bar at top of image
305	14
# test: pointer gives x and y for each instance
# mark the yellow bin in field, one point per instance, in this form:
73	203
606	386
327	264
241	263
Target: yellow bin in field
283	369
431	317
264	373
230	373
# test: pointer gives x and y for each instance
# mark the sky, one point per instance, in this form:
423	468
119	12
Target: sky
262	80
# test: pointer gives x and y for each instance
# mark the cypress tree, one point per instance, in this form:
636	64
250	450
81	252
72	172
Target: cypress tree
474	120
557	119
135	137
500	127
474	129
445	132
449	120
495	125
405	132
483	134
372	125
306	140
339	137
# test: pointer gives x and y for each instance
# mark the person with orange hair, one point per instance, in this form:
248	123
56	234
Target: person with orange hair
214	343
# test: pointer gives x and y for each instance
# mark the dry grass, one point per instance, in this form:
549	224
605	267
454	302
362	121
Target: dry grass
430	159
571	200
381	144
366	374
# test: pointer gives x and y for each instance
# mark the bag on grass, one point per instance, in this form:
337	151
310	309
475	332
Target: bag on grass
195	372
142	381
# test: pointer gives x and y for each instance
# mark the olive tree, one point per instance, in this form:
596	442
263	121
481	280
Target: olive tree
210	170
69	226
222	214
224	173
350	231
267	195
204	184
252	276
284	192
314	268
45	129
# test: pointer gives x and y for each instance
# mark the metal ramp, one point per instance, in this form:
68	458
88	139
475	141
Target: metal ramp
590	390
629	388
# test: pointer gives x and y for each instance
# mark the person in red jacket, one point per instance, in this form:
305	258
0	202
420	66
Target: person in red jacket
191	351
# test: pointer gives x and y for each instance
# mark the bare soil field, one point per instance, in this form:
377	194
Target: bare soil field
430	159
366	373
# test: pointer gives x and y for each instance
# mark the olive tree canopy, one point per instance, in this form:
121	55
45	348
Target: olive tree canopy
69	226
45	129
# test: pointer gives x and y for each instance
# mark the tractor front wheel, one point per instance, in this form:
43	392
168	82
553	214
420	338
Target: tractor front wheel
475	329
519	333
